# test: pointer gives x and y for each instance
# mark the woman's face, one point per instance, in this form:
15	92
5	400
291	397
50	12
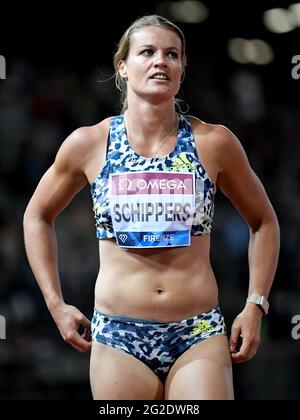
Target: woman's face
153	67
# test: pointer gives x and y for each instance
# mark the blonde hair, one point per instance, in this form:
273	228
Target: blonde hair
124	46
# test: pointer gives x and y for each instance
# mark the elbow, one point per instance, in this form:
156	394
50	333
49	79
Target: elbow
26	217
268	221
276	227
272	221
27	220
31	215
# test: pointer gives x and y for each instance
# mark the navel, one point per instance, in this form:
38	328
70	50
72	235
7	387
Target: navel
159	291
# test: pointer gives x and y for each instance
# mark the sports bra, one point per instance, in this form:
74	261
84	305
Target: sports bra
147	202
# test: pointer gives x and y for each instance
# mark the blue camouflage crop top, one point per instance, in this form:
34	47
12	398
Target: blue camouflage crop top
147	202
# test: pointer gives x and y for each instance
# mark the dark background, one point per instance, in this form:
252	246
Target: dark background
58	58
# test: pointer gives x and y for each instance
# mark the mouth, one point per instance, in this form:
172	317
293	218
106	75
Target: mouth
159	76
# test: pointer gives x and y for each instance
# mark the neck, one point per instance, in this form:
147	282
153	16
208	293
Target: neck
150	121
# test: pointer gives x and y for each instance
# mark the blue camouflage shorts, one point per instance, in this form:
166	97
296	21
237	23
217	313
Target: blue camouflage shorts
158	344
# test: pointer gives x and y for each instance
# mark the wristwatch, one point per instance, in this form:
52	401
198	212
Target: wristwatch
260	301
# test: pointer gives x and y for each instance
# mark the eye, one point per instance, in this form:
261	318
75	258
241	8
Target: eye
148	52
173	54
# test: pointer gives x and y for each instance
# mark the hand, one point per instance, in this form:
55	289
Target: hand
247	325
68	320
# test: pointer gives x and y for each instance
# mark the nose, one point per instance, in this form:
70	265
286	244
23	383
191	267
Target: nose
160	60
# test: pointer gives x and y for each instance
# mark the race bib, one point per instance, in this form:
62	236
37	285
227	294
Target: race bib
152	209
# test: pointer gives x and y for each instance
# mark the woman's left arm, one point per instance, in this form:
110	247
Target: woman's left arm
240	184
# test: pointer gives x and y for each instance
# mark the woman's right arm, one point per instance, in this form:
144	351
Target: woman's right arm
62	181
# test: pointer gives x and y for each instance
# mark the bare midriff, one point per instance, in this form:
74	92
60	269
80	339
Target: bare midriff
162	284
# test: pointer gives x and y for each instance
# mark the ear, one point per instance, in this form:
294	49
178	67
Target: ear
122	69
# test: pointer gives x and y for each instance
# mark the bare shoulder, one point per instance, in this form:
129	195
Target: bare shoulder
67	175
219	142
234	174
76	150
218	134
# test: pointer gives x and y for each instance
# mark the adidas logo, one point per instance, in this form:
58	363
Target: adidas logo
203	327
182	163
